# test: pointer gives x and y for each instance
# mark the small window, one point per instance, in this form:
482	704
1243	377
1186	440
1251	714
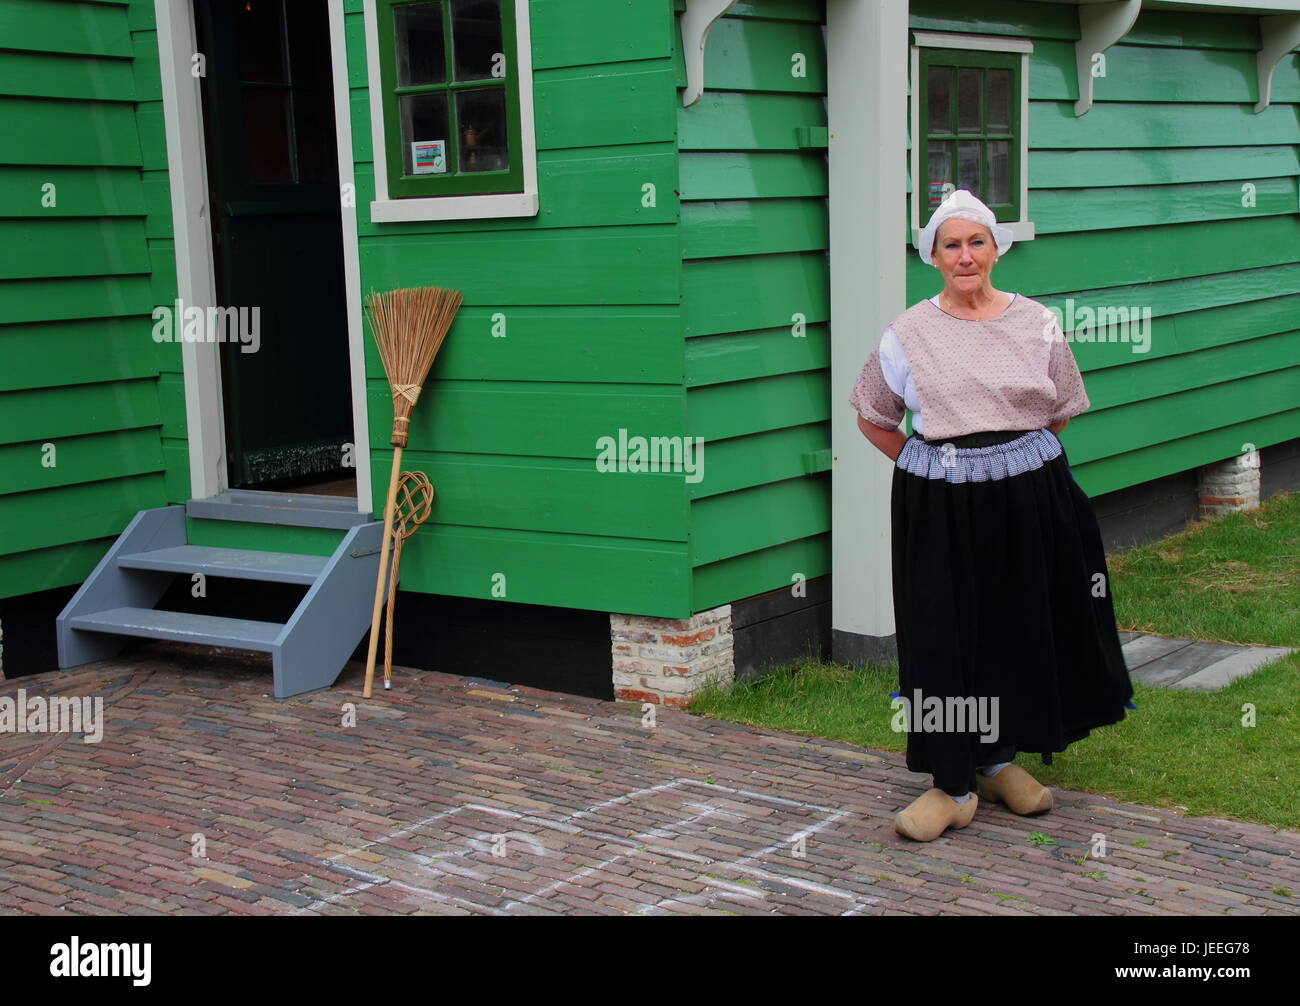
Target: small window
450	94
971	138
969	125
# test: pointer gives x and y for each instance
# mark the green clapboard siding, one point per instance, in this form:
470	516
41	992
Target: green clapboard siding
570	331
673	284
81	408
756	302
47	568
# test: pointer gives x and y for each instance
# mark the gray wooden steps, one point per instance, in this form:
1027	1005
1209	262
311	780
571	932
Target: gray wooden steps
119	599
242	564
257	506
183	627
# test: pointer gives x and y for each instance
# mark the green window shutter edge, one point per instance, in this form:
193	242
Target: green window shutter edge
475	183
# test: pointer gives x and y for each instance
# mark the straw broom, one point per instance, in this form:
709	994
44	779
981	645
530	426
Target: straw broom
409	326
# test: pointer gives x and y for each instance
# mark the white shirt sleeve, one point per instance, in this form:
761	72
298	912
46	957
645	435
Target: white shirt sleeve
898	375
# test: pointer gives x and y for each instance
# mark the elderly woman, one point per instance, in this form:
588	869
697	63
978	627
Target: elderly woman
1001	592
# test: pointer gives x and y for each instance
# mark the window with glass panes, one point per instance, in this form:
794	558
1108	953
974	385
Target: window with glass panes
969	104
451	97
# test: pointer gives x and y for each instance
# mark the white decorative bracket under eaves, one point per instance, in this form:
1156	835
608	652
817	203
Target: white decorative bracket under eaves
697	19
1278	35
1100	26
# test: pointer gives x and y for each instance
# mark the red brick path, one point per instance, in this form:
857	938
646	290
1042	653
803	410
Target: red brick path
455	796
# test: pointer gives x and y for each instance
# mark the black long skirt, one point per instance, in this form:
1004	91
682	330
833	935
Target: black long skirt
1001	596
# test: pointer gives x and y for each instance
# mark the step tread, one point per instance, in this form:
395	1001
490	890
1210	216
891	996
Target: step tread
239	563
182	626
291	509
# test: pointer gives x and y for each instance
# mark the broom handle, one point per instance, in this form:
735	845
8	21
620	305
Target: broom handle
383	567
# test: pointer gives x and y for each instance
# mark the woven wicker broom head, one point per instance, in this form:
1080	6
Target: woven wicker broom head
409	325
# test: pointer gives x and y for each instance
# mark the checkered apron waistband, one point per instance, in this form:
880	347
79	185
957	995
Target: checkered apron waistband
988	463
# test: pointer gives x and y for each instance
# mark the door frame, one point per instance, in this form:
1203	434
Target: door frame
192	233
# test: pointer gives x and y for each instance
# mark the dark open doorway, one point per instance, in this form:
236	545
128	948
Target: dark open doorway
273	187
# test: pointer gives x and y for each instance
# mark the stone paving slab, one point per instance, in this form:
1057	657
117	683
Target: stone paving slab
1162	662
459	796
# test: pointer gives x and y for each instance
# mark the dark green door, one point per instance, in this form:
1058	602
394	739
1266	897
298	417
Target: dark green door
273	182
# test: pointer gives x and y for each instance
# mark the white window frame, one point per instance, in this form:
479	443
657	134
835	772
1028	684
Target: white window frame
463	207
1022	229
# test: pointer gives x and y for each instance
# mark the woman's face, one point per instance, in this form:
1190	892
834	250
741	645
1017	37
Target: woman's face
965	253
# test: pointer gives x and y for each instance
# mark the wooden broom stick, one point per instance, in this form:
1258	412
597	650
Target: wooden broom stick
409	326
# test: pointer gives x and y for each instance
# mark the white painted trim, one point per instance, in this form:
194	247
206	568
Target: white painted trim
496	204
1022	229
1100	27
954	40
1278	34
1229	6
351	255
192	233
866	48
695	23
500	204
195	283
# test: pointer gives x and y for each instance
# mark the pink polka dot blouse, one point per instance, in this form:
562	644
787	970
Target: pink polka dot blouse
1014	371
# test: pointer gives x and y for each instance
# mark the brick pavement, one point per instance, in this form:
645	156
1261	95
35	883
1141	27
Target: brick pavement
456	796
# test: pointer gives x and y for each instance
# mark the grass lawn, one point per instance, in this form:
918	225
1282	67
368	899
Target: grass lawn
1235	579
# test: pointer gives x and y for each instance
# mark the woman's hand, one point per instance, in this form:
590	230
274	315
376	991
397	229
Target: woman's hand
1056	428
888	442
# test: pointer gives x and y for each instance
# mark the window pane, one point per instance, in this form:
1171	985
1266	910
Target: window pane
260	30
266	134
424	125
968	100
999	171
481	119
938	82
999	108
968	166
940	173
476	34
419	44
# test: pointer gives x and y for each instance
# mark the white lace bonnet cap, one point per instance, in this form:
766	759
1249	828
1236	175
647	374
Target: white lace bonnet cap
964	206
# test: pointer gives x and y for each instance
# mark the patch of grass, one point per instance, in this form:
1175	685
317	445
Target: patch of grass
1235	579
1038	838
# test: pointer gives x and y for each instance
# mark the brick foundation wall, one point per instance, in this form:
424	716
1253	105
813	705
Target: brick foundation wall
1229	485
667	660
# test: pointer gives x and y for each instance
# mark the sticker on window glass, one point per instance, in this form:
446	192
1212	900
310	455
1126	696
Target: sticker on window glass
939	191
429	157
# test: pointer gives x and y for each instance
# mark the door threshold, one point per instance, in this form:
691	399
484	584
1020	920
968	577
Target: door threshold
260	506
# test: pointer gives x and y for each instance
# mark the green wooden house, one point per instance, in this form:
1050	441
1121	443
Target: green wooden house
679	226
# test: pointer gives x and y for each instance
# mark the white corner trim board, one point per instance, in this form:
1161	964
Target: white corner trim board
866	55
351	255
500	204
187	180
1100	27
